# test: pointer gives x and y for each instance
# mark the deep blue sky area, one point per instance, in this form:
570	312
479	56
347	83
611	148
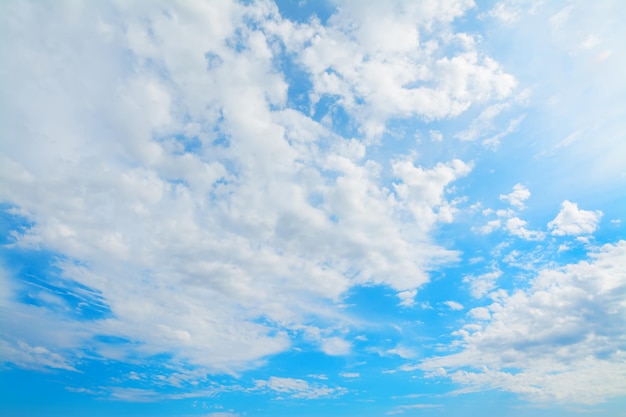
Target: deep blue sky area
312	208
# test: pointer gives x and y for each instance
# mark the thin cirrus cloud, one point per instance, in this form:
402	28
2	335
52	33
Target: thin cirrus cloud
227	200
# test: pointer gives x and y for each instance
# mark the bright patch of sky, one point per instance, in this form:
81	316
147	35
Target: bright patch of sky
226	209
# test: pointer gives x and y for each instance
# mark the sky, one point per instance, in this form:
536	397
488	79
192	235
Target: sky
304	208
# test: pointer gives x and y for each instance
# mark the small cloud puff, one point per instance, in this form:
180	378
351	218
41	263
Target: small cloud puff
517	197
454	305
572	221
335	346
517	227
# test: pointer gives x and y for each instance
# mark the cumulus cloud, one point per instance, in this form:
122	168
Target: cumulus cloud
517	227
190	170
401	71
573	221
517	197
559	340
507	218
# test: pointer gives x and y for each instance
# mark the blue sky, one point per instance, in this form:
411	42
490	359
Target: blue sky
228	209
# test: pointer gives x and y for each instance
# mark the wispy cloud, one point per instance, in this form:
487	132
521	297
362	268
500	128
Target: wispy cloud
298	388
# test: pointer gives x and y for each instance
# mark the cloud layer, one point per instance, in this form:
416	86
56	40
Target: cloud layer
199	187
180	186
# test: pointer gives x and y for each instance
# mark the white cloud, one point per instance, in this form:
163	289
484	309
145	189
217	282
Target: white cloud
33	357
517	227
483	123
436	136
507	218
517	197
572	221
481	313
187	170
480	285
222	414
494	141
505	12
335	346
491	226
402	408
402	351
350	374
400	71
422	190
560	340
407	297
453	305
299	388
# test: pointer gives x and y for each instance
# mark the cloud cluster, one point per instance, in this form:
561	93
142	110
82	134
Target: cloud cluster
561	339
570	221
208	182
157	150
508	220
393	60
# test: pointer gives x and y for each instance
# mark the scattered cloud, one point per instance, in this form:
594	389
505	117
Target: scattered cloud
197	191
559	340
222	414
335	346
298	388
453	305
403	408
517	227
183	189
34	357
517	197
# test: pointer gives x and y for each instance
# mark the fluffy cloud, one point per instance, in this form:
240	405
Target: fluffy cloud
152	147
404	69
560	339
572	221
517	197
480	285
517	227
507	218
